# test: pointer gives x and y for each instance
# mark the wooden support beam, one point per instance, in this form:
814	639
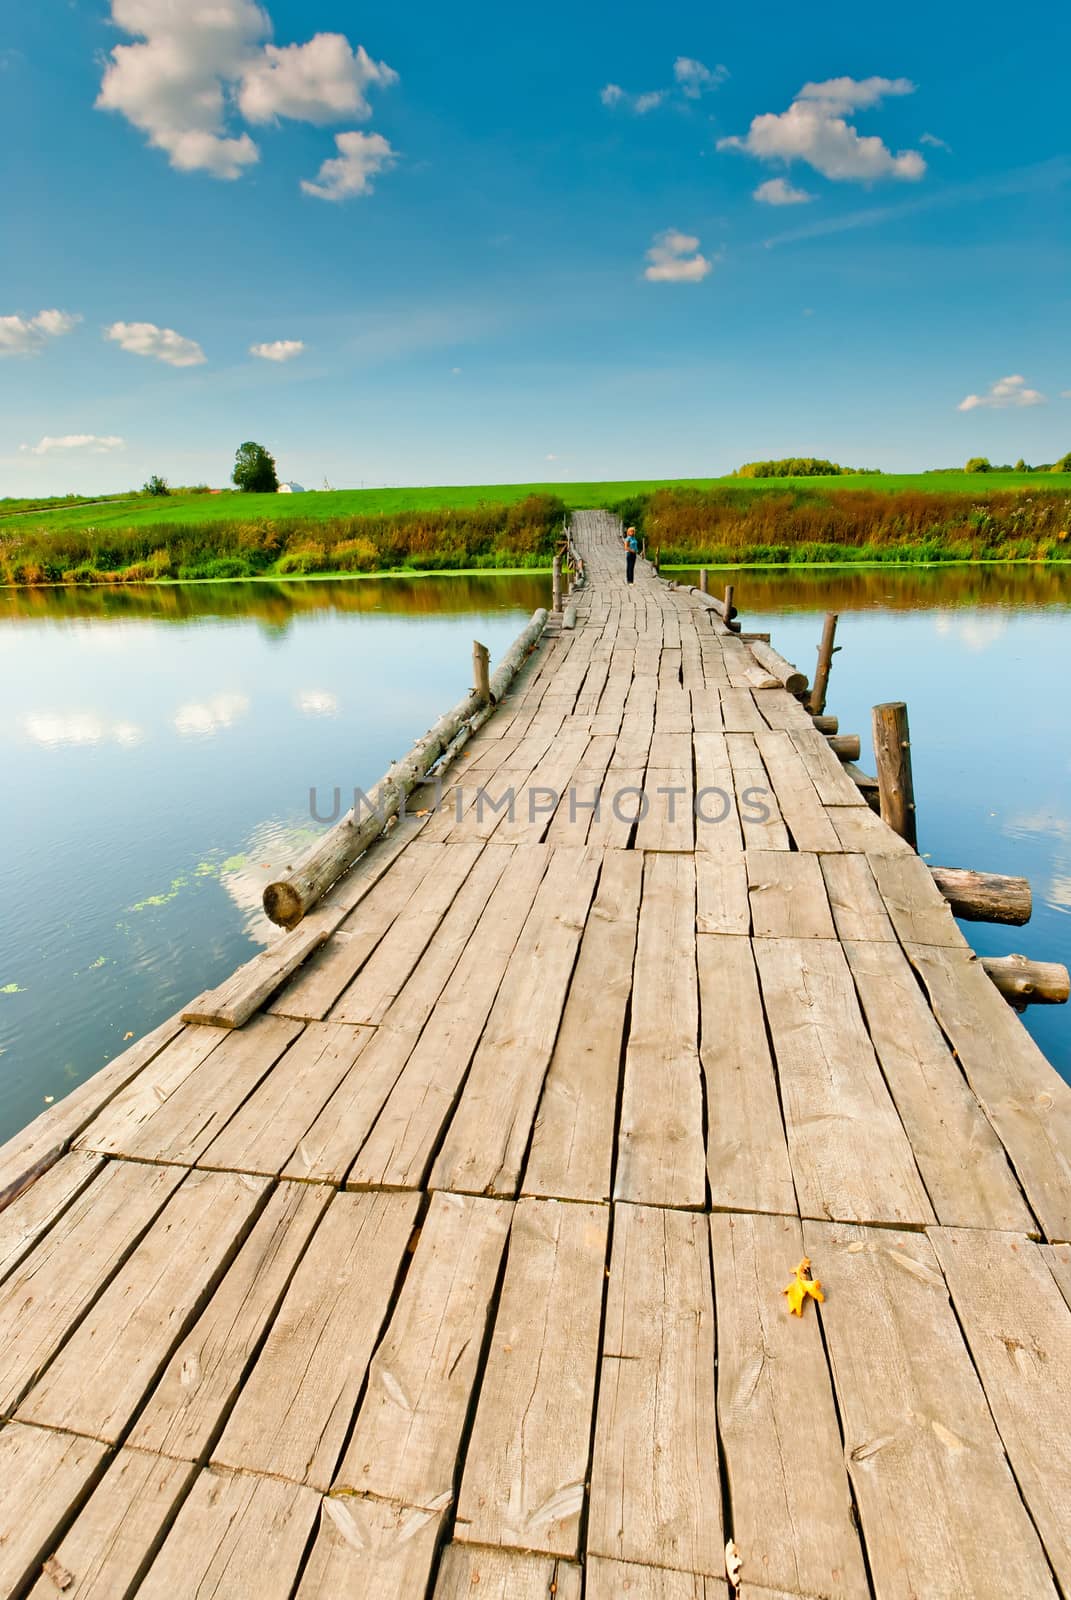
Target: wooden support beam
827	724
984	896
1023	982
826	651
703	580
845	745
790	677
481	671
556	585
892	752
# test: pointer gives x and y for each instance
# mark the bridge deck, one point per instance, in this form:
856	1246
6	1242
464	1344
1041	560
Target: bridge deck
458	1270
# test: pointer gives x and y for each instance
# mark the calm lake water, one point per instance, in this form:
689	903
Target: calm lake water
158	747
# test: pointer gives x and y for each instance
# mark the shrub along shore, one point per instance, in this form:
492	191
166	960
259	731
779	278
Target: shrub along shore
816	522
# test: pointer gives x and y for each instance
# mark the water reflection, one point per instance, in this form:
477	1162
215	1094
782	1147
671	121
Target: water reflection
1006	586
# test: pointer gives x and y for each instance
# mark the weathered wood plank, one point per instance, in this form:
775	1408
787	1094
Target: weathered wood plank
1057	1258
747	1157
49	1292
802	810
485	1145
792	1505
296	1406
405	1444
203	1377
788	896
851	1159
572	1142
527	1458
114	1535
1018	1329
33	1213
858	909
761	822
45	1475
124	1115
833	785
919	911
668	821
221	1536
962	1161
655	1495
371	1550
466	1570
661	1160
611	1580
103	1371
235	1000
940	1512
1024	1099
858	829
722	903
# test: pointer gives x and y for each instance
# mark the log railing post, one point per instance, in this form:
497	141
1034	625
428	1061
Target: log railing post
729	593
702	580
825	660
892	751
556	583
481	671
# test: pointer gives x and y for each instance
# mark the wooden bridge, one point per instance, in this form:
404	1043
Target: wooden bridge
456	1269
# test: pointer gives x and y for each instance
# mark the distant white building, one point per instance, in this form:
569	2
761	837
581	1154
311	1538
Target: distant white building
291	488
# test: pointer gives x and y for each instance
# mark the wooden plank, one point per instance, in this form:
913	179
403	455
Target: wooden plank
655	1495
610	1580
371	1550
410	1077
527	1459
860	830
747	1157
939	1509
296	1406
45	1475
49	1292
962	1161
408	1433
621	802
98	1378
235	1000
833	785
858	909
919	911
383	976
114	1535
218	1544
202	1378
801	808
185	1123
722	903
661	1160
573	1139
792	1505
668	822
367	870
739	712
717	820
44	1140
267	1130
781	710
485	1145
122	1118
761	822
1024	1099
1018	1329
36	1209
1057	1258
788	896
466	1570
851	1159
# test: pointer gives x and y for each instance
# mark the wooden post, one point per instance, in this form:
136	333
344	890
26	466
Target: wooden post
481	671
728	603
825	661
556	582
892	751
702	580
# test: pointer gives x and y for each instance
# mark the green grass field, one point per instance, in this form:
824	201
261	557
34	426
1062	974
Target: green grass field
316	506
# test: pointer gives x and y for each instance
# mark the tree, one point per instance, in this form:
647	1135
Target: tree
156	485
1064	463
978	464
1021	466
254	469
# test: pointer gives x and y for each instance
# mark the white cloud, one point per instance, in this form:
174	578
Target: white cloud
316	703
813	130
209	716
779	192
674	258
361	157
650	101
196	61
1010	391
99	444
934	141
695	79
164	344
322	81
25	336
53	729
278	350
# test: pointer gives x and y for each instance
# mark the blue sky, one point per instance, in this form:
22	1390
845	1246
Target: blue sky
558	267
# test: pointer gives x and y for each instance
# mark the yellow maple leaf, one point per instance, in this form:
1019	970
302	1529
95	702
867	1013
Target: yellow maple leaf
802	1288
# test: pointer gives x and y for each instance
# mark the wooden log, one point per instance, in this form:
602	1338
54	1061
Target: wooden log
729	609
826	724
845	745
287	900
984	896
569	617
703	580
556	585
790	677
718	608
481	671
826	649
892	752
1023	982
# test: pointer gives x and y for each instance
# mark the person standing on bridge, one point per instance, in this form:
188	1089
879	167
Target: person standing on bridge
632	550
